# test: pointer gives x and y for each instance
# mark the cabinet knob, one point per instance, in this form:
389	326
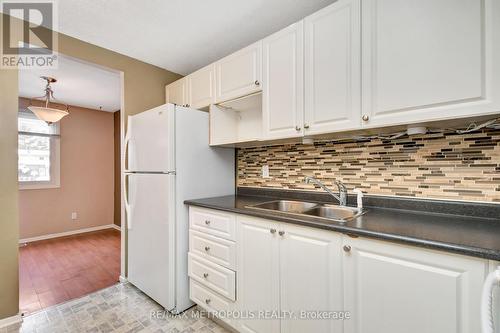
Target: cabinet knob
365	117
347	248
208	301
306	126
281	233
272	230
207	248
207	222
257	83
297	128
205	275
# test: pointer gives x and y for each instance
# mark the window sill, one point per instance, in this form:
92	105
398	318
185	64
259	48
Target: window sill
40	186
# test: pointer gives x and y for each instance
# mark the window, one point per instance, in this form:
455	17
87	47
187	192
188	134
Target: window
38	152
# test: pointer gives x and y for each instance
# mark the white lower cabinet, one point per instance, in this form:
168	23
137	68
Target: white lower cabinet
258	273
291	270
310	279
394	288
284	276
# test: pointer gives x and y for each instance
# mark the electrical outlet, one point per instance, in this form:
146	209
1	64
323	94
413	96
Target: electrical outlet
74	216
265	171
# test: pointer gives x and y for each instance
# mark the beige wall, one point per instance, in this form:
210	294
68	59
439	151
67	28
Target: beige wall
144	88
87	178
9	228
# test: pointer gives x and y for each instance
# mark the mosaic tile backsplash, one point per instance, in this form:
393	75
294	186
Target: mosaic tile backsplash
438	165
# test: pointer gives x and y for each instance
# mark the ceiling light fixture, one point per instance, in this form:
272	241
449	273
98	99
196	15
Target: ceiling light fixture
46	113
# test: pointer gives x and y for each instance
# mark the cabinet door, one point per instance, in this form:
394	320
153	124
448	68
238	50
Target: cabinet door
258	272
283	95
429	60
332	68
201	87
176	92
394	288
311	278
240	73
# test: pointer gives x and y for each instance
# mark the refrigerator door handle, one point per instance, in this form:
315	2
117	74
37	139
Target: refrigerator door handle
126	156
127	205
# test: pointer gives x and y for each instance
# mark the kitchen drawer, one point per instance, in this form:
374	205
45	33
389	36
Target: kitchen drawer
217	250
207	298
213	222
213	276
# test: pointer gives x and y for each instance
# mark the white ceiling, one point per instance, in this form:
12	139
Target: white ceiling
179	35
78	83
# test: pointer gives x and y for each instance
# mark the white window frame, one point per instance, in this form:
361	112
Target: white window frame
55	166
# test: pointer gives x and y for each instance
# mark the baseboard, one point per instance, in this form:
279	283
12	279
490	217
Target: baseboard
67	233
116	227
11	320
123	279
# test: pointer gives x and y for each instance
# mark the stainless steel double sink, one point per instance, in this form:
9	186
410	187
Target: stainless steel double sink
332	213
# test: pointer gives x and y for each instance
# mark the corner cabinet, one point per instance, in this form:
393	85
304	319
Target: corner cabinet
283	91
394	288
240	73
429	60
332	68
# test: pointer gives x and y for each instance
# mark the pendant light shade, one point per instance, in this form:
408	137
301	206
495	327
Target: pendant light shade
49	115
46	113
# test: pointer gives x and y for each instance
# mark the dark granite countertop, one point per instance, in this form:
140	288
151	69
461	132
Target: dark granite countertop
467	235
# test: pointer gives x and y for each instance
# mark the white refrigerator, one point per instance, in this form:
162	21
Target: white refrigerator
168	160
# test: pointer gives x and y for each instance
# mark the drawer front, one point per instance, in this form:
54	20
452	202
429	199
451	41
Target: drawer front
217	223
217	250
215	277
207	298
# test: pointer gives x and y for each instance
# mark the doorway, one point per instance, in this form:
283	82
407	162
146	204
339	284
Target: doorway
71	242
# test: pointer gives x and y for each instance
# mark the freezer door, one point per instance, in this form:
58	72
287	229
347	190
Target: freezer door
151	236
150	140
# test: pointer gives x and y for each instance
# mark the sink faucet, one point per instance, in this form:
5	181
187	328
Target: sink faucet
341	197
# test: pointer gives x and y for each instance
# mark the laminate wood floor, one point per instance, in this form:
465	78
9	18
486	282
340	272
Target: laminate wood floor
57	270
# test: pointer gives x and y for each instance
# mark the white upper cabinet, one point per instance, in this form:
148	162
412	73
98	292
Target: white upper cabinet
393	288
240	73
429	60
176	92
201	87
283	92
332	68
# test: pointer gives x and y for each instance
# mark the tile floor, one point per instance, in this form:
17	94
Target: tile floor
120	308
57	270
